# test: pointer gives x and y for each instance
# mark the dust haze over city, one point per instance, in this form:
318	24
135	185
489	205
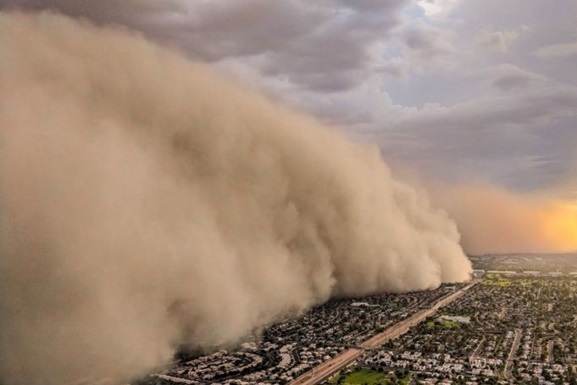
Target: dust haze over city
193	175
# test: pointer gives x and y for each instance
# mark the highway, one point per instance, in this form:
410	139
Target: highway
328	368
507	371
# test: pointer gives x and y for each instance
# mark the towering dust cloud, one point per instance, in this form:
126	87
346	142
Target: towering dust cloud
147	203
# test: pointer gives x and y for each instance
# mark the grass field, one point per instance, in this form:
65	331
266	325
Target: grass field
443	323
499	280
496	280
369	377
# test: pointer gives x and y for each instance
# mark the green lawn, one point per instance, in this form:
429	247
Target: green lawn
443	323
369	377
496	280
499	280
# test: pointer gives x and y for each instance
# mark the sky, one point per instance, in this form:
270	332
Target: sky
458	90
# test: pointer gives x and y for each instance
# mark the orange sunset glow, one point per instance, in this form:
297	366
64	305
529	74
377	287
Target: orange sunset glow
560	225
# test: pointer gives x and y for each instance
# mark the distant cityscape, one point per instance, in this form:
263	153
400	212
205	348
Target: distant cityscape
516	323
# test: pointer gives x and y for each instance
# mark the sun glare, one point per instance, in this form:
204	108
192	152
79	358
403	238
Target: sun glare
560	224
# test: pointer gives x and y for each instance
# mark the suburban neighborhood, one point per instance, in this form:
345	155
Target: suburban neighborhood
517	325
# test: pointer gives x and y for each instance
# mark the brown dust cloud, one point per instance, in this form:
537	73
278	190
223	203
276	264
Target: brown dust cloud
147	203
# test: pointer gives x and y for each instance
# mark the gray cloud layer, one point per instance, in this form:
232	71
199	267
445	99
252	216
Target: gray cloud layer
147	203
321	46
375	65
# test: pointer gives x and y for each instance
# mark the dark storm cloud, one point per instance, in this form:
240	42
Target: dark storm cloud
427	41
507	77
521	141
324	46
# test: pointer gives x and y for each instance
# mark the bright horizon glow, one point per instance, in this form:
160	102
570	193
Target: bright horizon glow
560	224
